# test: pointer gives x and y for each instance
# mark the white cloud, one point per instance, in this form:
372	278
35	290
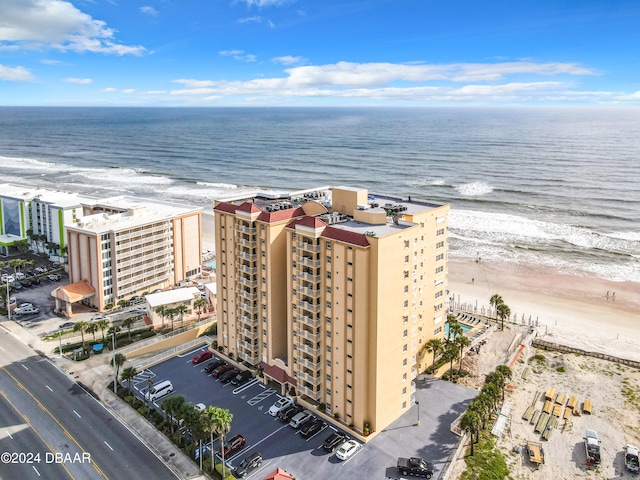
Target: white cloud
129	90
109	90
268	3
288	60
238	55
254	19
57	24
47	61
148	10
191	83
15	74
153	92
79	81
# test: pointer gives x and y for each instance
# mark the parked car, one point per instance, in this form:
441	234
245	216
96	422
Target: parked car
347	449
27	283
311	428
202	356
228	375
298	419
333	441
66	325
200	407
23	305
141	310
280	405
16	285
54	277
26	311
233	445
211	366
247	464
414	466
97	318
220	370
20	276
288	413
241	378
40	269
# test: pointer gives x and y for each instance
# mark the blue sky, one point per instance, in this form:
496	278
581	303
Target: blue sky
319	52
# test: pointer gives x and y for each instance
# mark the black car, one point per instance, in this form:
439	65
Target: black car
241	378
288	413
311	427
212	365
333	441
248	463
228	375
27	283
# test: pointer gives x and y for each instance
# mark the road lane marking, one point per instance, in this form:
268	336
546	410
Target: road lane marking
34	467
50	389
24	366
77	414
9	434
105	442
26	420
44	409
2	349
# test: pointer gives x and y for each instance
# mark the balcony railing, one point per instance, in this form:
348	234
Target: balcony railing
309	277
246	230
313	351
309	247
309	262
309	307
309	392
312	379
314	337
311	321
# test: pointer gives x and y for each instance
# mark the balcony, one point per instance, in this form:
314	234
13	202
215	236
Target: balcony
243	242
249	357
302	390
251	296
309	378
250	322
248	334
310	364
309	247
309	262
309	277
313	337
311	350
311	292
413	388
249	257
310	321
310	307
248	269
246	230
247	282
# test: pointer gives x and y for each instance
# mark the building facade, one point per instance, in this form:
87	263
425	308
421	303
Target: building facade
125	246
338	289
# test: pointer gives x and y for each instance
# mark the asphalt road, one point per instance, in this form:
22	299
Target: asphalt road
75	433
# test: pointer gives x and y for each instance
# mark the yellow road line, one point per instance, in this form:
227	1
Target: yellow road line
54	419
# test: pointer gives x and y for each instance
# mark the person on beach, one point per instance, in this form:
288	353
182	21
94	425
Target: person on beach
473	280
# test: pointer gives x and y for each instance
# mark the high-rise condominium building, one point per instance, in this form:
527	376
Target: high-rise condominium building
124	246
335	292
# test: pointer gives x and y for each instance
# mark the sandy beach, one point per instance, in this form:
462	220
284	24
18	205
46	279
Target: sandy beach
569	310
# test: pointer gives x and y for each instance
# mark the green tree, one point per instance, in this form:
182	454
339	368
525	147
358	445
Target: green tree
118	359
433	346
128	323
171	406
462	342
222	425
149	385
505	371
199	304
92	328
162	311
494	301
127	375
122	302
471	422
503	312
181	309
498	380
171	313
450	354
492	392
482	405
80	326
103	325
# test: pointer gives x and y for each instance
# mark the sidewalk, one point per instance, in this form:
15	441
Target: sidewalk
94	374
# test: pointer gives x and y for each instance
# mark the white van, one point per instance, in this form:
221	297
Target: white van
158	390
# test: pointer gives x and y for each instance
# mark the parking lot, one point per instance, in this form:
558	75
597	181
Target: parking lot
282	446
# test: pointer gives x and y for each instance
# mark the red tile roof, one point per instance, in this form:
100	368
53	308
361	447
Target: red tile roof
278	474
346	236
280	215
226	207
308	221
249	207
277	374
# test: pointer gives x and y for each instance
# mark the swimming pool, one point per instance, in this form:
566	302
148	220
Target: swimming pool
211	265
465	328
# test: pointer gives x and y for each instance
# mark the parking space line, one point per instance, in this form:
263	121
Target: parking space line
242	388
318	432
360	448
261	396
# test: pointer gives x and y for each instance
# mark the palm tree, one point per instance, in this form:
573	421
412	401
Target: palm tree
181	310
492	392
462	342
222	421
122	302
482	406
92	328
171	313
209	426
504	371
195	422
451	355
128	323
127	375
162	311
118	359
503	312
494	301
199	304
498	380
102	325
80	326
149	385
470	421
171	406
433	346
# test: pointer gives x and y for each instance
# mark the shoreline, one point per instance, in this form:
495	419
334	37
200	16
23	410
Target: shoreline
571	310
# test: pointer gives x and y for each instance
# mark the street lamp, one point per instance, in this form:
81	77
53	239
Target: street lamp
418	422
60	340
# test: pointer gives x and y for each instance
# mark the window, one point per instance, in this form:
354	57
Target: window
404	362
404	377
404	390
328	377
328	259
406	259
406	289
404	349
404	334
439	270
439	294
328	392
329	275
329	363
439	244
406	274
440	232
328	245
328	289
406	304
406	244
328	304
328	334
405	319
439	257
404	405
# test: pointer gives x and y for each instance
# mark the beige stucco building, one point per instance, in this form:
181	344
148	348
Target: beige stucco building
124	246
333	291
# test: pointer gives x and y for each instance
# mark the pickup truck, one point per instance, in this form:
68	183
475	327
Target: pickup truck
592	447
414	466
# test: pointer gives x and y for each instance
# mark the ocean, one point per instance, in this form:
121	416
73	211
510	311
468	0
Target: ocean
545	187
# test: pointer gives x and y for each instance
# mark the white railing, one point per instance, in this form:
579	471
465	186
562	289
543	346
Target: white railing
159	338
173	352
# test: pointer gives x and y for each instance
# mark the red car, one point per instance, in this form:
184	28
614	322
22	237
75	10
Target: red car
202	356
221	369
231	446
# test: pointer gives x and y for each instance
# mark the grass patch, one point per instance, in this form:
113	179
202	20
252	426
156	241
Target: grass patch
487	462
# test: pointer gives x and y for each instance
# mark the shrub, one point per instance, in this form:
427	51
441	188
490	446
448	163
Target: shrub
560	369
129	399
143	411
322	407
